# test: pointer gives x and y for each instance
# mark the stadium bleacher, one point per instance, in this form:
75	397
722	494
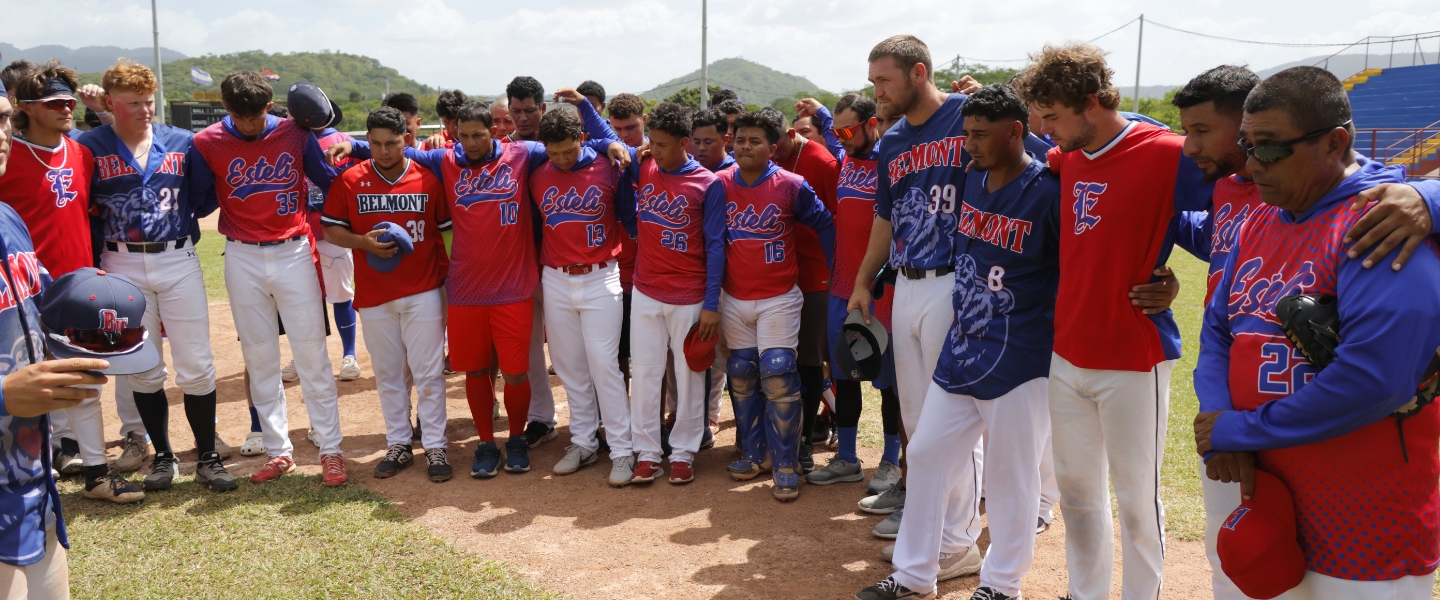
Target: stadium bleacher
1402	97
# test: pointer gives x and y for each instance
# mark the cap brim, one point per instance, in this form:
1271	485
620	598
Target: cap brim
384	265
699	354
876	329
337	116
140	360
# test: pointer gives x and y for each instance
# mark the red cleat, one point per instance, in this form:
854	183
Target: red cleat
273	469
646	471
680	472
332	470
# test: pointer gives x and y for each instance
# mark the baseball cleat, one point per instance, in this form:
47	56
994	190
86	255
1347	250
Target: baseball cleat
959	564
681	472
888	474
575	458
254	444
517	455
989	593
807	458
349	369
67	458
210	471
889	529
888	553
707	439
787	485
162	472
134	450
313	436
288	374
885	502
438	467
537	433
111	486
397	457
487	461
222	448
273	469
332	470
622	470
837	471
646	471
1041	525
744	470
890	590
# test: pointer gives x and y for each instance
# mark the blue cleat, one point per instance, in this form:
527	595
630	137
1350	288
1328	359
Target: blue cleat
517	455
487	461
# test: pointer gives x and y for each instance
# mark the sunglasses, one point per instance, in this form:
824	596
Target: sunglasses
845	133
55	104
1274	152
101	341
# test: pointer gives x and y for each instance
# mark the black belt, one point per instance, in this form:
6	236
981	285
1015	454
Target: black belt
264	244
914	273
146	247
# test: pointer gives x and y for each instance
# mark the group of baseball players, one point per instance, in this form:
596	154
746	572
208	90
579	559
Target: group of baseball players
992	260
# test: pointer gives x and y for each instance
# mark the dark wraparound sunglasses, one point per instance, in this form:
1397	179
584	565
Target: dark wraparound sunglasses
1274	152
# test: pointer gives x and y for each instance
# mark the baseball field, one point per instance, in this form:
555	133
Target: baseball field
533	535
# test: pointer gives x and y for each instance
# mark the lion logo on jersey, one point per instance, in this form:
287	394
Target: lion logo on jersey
921	232
60	184
141	213
981	312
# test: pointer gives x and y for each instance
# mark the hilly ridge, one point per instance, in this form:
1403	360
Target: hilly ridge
753	82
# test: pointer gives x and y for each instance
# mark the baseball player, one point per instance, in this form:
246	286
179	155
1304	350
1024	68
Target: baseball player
627	119
761	305
1363	481
149	225
678	271
255	163
492	276
401	307
920	177
1109	377
992	372
815	163
575	192
854	218
48	185
446	104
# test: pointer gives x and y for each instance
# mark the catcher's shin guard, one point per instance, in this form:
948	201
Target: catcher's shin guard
784	414
749	406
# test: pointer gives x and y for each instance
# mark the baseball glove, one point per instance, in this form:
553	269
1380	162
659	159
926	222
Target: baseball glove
886	275
1312	323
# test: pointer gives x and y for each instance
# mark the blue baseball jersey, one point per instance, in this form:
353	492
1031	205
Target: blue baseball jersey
1007	271
28	498
156	204
921	176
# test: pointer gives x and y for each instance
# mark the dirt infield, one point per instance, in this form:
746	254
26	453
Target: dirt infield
714	538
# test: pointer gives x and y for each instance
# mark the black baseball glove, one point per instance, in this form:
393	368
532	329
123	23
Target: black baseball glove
1312	323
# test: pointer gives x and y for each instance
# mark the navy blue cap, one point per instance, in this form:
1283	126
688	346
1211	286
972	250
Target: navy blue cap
102	304
403	243
310	107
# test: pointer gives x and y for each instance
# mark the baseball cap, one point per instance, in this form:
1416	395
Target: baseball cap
860	347
310	107
393	233
699	354
89	313
1258	546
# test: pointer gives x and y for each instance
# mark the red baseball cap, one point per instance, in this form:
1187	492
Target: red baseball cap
1258	545
699	354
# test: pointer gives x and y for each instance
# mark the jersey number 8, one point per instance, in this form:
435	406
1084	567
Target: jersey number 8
942	200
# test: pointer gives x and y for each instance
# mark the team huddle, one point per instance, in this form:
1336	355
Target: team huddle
992	260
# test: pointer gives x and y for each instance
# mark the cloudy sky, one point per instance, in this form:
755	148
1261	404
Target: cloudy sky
637	44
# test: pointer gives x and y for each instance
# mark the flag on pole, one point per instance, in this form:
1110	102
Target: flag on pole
200	77
268	75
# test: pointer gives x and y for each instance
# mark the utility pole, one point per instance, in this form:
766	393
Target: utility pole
1138	47
704	64
159	68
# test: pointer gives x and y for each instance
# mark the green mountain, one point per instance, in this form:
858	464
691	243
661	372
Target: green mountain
753	82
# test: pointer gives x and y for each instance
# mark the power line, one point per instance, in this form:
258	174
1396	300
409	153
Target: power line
1127	24
1260	43
1002	60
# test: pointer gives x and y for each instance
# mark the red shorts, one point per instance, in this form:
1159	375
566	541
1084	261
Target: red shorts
474	330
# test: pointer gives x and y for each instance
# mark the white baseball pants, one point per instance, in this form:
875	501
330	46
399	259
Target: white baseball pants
717	383
87	428
1109	427
655	328
408	332
942	495
174	289
125	408
761	324
1323	587
920	322
1049	489
262	281
337	266
584	313
542	398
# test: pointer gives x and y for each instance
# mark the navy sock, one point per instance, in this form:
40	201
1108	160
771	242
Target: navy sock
846	451
254	420
892	449
345	322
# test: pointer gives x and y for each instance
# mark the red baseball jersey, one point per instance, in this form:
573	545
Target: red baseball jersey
670	259
626	257
362	198
447	144
326	139
261	184
492	257
854	217
761	260
1116	207
50	189
578	209
818	167
1235	200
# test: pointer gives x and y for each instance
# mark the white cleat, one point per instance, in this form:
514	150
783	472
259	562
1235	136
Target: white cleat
349	369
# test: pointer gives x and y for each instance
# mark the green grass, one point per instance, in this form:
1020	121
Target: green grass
1179	475
292	538
212	264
